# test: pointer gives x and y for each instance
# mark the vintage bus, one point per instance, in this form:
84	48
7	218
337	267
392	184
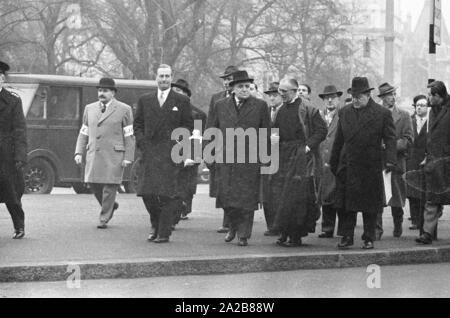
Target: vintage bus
53	106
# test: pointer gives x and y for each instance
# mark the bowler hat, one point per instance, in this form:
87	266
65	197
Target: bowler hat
230	70
241	77
273	88
4	67
330	90
385	89
107	83
183	85
360	85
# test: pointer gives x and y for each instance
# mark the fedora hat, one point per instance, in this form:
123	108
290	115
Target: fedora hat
385	89
330	90
273	88
230	70
107	83
4	67
360	85
183	85
241	77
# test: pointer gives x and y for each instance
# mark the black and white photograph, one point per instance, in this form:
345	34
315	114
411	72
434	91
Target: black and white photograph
224	156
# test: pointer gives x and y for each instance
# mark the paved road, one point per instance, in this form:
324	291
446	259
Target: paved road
406	281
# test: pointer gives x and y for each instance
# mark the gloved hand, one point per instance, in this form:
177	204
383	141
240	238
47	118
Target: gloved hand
78	159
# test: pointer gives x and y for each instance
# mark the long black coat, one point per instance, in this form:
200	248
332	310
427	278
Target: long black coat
212	169
417	153
13	147
238	185
362	132
153	127
437	172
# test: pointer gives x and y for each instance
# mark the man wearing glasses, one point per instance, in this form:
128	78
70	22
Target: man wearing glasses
362	129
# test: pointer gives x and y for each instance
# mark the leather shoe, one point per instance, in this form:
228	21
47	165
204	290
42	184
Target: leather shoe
102	226
368	245
152	237
326	235
243	242
292	243
19	234
230	236
425	239
346	242
223	230
414	228
271	233
282	240
161	240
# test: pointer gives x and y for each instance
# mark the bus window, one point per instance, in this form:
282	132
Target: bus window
63	103
38	109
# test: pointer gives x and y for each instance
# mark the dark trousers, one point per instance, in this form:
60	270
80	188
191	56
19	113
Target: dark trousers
397	215
241	222
106	196
416	209
349	224
17	215
162	212
269	214
226	222
329	214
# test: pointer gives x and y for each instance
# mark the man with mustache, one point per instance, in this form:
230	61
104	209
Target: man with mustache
108	138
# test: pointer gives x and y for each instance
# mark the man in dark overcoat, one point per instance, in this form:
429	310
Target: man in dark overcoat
13	154
157	116
227	77
404	138
238	184
363	126
417	153
327	188
437	167
189	174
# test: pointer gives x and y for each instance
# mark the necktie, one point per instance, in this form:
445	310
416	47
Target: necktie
239	105
273	113
103	108
161	99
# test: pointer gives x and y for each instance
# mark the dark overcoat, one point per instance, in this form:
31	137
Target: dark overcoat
363	131
13	147
405	137
153	128
417	153
327	188
238	184
437	169
212	169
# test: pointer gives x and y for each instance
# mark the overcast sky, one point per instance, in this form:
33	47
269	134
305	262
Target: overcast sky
415	7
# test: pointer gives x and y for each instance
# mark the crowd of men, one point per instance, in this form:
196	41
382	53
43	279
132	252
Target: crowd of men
332	163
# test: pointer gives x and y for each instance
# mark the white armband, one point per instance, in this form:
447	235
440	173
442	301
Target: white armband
128	131
84	130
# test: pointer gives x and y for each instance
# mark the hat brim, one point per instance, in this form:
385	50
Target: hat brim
271	92
184	89
388	92
352	92
248	80
108	87
225	75
339	94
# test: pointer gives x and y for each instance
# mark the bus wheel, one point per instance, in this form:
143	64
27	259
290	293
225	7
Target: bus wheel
81	188
39	177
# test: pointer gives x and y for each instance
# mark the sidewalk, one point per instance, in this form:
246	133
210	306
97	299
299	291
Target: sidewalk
61	230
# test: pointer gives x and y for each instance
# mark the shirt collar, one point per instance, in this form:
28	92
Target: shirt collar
108	104
166	92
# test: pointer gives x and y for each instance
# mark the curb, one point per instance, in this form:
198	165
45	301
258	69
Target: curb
147	268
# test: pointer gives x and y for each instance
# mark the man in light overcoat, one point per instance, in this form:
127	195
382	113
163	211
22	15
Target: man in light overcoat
107	139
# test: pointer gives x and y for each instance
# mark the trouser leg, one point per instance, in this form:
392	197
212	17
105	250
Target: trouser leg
226	223
431	218
340	221
109	199
414	210
169	206
154	210
245	223
17	216
397	214
379	223
233	219
370	223
328	218
349	223
269	215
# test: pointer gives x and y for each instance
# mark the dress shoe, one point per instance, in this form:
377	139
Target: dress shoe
414	227
291	243
271	233
425	239
243	242
346	242
19	234
152	237
230	236
398	228
223	230
184	218
368	245
326	235
102	226
161	240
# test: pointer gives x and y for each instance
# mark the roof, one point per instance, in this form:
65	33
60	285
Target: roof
74	81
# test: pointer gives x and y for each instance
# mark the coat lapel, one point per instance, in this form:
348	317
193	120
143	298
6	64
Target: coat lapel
247	109
441	115
396	115
231	109
367	116
333	126
109	111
